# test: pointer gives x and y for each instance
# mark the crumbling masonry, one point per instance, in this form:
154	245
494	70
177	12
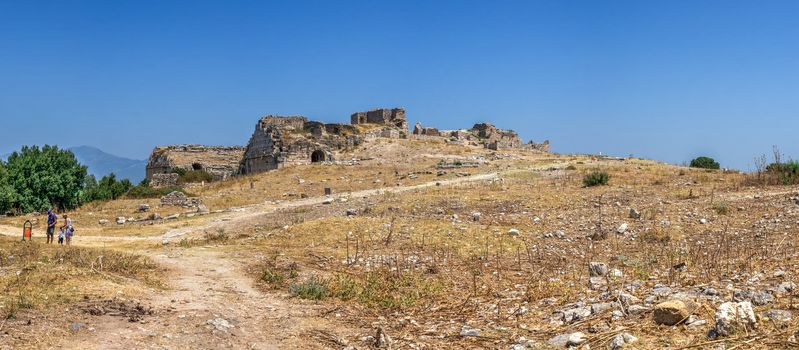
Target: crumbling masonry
279	141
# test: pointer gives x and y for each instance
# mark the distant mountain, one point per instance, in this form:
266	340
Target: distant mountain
101	164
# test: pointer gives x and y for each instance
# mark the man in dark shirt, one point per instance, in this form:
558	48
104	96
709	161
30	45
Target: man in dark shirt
51	220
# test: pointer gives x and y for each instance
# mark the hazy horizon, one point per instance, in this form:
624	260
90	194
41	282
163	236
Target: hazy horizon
667	81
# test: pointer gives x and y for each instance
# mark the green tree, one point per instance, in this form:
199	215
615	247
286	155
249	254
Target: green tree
44	177
705	163
109	188
7	193
89	189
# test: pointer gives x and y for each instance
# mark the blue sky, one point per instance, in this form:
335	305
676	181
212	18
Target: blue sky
668	80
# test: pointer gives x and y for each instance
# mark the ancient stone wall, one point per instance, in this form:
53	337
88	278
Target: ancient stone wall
418	129
540	147
384	116
159	180
179	199
498	137
219	161
280	141
293	140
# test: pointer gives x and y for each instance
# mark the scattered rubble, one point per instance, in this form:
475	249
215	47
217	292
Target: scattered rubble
132	310
732	317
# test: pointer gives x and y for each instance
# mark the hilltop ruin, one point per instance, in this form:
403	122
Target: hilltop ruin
219	161
280	141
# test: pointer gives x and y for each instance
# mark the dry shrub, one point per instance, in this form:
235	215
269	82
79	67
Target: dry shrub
385	289
656	235
46	274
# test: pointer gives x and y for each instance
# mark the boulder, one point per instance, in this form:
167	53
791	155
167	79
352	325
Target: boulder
597	283
670	312
757	298
352	212
634	214
628	299
513	232
597	269
469	332
576	314
476	216
202	209
778	315
621	341
568	340
732	317
121	220
600	307
622	228
103	222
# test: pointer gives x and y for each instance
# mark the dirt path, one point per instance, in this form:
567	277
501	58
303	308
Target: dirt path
252	211
212	304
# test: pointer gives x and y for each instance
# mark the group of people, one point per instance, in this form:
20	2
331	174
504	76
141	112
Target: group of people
65	232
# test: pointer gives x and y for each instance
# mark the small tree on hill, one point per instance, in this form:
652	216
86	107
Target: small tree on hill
705	163
40	178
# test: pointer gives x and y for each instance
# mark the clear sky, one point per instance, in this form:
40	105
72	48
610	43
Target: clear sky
668	80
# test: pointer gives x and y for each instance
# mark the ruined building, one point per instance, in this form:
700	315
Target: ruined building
219	161
486	134
381	116
279	141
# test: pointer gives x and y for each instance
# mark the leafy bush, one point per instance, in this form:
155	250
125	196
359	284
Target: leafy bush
596	178
704	163
107	189
192	176
786	173
36	178
313	289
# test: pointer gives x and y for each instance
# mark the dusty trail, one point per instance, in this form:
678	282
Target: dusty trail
212	303
252	211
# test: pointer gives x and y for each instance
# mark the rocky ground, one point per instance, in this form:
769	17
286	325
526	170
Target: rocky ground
515	253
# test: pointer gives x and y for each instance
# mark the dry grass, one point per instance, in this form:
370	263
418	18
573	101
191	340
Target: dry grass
421	267
37	275
420	255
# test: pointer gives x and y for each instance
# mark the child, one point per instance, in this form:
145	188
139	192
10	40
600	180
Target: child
69	233
61	236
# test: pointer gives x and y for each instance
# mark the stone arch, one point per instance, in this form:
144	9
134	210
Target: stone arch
318	156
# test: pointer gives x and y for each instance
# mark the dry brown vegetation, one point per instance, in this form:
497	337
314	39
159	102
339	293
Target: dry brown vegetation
492	263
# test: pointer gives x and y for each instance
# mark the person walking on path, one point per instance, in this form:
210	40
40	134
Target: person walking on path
68	229
51	221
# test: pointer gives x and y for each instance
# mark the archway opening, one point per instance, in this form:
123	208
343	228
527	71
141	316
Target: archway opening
318	156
